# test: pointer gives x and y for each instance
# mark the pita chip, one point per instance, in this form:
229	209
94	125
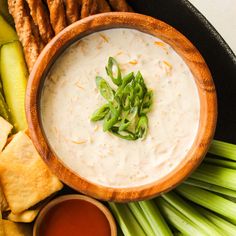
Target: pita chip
5	129
16	229
25	178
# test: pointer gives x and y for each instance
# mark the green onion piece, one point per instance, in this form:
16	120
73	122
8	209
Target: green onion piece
100	113
142	127
113	65
126	80
191	213
139	79
126	220
147	102
139	215
209	200
127	97
220	176
211	187
155	218
178	220
105	90
220	162
113	115
228	228
123	134
129	119
223	149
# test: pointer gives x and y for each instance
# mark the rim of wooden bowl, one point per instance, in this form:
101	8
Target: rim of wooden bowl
65	198
191	56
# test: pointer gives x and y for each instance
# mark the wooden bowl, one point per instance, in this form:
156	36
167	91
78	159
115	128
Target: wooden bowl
59	200
191	56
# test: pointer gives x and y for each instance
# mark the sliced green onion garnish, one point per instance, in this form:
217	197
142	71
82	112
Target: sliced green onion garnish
100	113
125	115
105	90
113	70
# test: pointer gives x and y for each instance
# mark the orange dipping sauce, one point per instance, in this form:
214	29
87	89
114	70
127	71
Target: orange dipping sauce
75	217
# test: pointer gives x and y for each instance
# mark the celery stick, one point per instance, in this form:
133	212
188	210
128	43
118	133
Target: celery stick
220	162
229	228
223	149
7	33
190	212
155	218
140	217
126	220
178	220
14	78
4	111
209	200
220	176
211	187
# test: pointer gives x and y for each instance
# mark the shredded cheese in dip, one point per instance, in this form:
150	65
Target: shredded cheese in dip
70	96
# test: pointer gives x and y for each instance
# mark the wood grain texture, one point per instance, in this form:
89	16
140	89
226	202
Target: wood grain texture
203	79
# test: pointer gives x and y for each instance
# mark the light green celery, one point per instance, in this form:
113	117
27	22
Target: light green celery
178	220
209	200
223	149
190	212
220	162
220	176
229	228
126	220
141	218
157	222
211	187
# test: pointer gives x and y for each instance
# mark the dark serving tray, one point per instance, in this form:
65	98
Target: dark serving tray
182	15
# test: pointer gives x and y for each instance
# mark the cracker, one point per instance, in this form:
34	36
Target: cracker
2	233
5	128
25	216
25	178
16	229
3	201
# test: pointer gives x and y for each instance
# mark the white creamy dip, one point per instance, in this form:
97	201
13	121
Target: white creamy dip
70	97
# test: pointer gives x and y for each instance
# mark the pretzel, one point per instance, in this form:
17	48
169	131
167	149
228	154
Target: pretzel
89	7
25	30
57	15
120	5
41	19
72	10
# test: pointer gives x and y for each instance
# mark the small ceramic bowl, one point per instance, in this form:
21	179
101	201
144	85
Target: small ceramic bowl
63	199
193	59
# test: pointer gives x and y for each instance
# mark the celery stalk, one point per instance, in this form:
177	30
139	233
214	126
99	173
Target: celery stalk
229	228
223	149
220	162
126	220
220	176
190	212
14	78
209	200
139	214
178	220
155	218
211	187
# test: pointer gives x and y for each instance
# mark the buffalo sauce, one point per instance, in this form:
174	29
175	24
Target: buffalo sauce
75	218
